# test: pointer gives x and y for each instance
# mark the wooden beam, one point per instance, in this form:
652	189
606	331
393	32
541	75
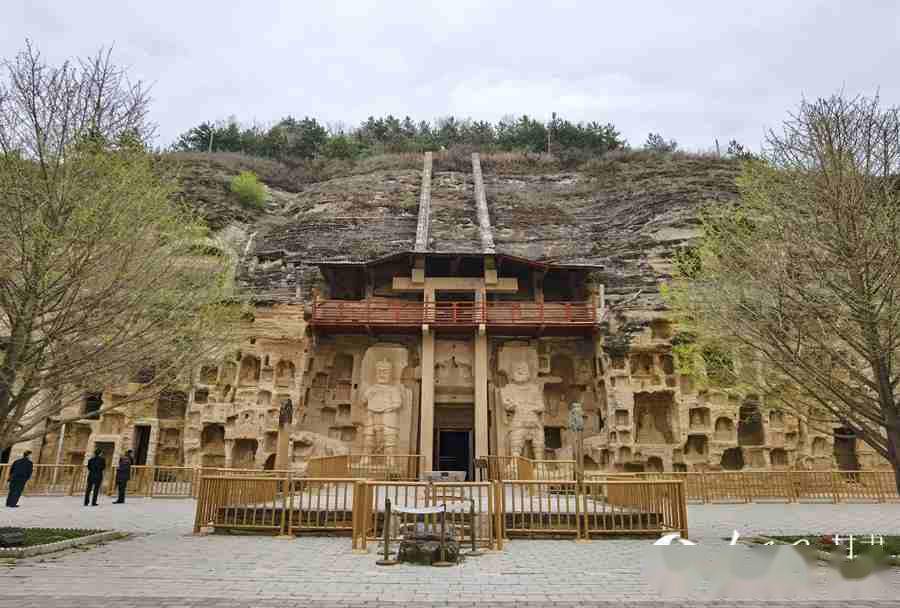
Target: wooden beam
508	285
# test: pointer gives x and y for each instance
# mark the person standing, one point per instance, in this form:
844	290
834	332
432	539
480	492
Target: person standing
19	474
95	466
123	474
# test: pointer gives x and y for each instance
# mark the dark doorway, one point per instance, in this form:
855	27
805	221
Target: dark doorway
733	459
453	448
92	404
270	463
845	449
141	444
4	455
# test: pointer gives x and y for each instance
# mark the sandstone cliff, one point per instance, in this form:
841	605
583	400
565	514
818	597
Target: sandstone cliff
628	213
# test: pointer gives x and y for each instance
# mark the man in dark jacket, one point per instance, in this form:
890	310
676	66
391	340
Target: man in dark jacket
123	474
19	474
95	466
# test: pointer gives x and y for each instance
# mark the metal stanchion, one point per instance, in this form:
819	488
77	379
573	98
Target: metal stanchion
386	560
443	563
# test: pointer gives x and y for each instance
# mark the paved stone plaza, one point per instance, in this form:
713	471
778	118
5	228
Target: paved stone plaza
165	565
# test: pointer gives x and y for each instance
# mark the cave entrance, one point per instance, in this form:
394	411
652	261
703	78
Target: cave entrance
141	443
845	449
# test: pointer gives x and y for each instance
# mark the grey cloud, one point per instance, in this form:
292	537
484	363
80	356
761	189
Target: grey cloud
694	71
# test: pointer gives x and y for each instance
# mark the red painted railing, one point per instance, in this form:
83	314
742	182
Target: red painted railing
459	314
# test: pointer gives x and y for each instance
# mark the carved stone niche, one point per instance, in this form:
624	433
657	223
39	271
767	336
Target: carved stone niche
340	378
750	426
776	419
454	370
642	365
654	414
697	447
724	429
699	418
250	369
756	458
209	374
819	447
654	465
779	458
244	453
284	373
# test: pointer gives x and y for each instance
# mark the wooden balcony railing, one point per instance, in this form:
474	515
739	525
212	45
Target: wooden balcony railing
368	313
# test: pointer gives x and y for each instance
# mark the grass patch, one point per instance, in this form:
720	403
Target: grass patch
45	536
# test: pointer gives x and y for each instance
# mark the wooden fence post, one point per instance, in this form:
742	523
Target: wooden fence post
201	509
498	514
704	489
879	483
581	522
75	474
835	496
792	487
682	508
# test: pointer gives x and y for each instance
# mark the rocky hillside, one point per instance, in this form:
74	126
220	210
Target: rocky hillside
627	212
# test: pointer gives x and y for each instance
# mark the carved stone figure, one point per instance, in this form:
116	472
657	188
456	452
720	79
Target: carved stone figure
308	445
286	414
647	431
383	401
523	400
576	417
696	418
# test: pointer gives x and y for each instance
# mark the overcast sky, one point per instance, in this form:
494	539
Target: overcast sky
693	71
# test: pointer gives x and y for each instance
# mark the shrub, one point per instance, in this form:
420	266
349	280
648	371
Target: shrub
248	189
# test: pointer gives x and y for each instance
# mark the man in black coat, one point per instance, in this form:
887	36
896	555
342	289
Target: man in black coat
95	467
123	474
19	474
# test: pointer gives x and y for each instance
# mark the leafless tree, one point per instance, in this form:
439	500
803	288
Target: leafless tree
801	280
103	278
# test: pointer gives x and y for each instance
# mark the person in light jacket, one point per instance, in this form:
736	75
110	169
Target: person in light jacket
95	467
19	474
123	474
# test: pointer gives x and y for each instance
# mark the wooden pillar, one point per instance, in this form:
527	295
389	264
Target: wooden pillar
481	393
426	416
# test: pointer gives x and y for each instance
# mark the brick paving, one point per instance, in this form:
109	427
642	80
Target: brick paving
163	564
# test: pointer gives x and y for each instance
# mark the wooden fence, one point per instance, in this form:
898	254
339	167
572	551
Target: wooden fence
279	505
489	512
51	480
526	469
583	510
776	486
382	467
